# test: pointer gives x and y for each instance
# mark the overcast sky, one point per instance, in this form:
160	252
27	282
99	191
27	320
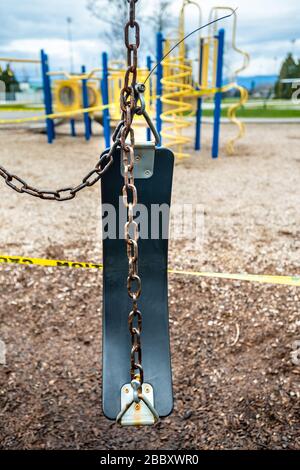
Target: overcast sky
266	29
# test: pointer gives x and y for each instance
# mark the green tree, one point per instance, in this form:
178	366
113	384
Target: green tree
10	81
289	69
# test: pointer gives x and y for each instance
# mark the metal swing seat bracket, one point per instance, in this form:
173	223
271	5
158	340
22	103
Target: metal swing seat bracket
144	155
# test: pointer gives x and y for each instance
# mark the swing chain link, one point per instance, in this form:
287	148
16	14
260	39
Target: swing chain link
130	99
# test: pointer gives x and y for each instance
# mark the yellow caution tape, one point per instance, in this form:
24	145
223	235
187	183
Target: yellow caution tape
55	115
261	278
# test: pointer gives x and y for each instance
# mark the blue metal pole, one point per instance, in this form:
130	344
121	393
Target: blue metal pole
85	101
73	128
218	96
199	101
47	96
159	76
105	99
149	66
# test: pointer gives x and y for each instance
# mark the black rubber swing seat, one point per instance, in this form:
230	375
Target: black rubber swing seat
153	303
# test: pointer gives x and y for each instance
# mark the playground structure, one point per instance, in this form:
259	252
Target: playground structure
94	96
181	95
175	94
76	95
84	92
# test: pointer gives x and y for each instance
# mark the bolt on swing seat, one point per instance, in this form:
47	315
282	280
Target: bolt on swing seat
153	178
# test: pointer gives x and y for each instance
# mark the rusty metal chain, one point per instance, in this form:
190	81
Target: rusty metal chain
130	99
131	103
63	194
